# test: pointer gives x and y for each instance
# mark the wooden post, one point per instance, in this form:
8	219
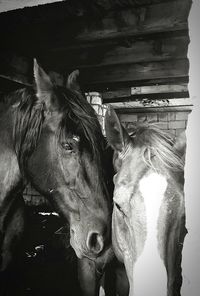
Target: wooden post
191	248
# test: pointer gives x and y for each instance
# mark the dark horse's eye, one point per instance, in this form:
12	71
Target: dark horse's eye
67	146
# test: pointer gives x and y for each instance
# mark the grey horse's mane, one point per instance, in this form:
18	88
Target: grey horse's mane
159	144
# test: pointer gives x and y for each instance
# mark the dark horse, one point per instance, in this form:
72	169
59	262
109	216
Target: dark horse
51	137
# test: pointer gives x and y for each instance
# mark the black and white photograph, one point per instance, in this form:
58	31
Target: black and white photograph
99	148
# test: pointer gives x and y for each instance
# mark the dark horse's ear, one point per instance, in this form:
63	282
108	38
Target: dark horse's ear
115	133
44	88
72	81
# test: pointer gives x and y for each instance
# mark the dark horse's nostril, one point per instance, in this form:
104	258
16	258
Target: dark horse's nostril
95	242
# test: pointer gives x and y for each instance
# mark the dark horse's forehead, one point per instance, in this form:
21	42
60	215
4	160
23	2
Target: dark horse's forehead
79	121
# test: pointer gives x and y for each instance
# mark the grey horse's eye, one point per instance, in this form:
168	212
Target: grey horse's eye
119	208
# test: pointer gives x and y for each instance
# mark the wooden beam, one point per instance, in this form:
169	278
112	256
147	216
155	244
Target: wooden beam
16	68
123	84
155	92
153	96
42	33
187	108
120	4
122	51
134	74
7	85
17	71
159	89
153	106
160	17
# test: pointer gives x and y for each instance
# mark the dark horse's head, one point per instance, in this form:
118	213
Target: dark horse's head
61	150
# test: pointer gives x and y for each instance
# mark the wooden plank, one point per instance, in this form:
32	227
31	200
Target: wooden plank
68	31
161	17
145	90
152	96
151	106
160	89
123	84
134	74
187	108
16	78
123	51
119	4
16	68
120	93
17	71
7	85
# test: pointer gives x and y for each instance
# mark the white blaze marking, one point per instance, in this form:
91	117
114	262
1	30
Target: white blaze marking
150	275
101	291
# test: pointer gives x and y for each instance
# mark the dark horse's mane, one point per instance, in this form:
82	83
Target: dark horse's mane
157	143
78	117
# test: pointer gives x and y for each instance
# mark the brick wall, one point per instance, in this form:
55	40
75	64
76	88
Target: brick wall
174	121
95	99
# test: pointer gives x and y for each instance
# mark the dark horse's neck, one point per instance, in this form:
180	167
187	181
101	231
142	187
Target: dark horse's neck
20	125
28	120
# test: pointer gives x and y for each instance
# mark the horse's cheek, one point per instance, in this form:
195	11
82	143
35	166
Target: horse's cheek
119	235
70	168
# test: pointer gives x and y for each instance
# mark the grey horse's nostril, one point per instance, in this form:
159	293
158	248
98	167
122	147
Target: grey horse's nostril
95	242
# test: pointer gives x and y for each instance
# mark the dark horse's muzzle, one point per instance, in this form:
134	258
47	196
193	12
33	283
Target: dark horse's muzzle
89	241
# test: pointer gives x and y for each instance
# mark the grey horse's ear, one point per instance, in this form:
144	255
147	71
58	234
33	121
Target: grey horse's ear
44	88
116	135
72	81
